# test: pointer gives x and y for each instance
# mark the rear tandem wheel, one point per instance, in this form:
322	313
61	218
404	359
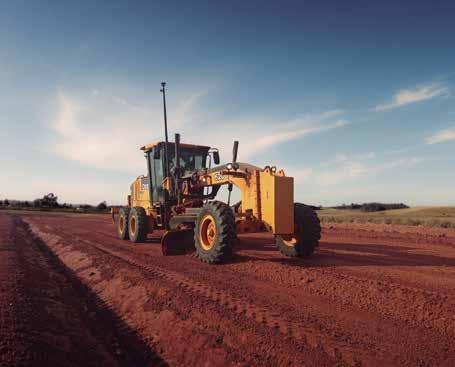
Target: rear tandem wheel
122	224
137	224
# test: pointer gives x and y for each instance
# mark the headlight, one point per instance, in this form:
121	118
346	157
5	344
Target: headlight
206	180
229	166
273	169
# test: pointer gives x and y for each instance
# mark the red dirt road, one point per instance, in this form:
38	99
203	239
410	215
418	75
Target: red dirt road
371	296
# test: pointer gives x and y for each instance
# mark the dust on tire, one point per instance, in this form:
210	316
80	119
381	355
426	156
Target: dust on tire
225	233
307	230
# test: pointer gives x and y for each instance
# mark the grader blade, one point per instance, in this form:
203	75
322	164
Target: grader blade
177	242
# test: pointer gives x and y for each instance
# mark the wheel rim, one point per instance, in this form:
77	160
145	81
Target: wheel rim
207	232
291	241
133	225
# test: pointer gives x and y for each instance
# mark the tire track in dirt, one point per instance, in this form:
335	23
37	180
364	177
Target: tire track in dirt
155	274
387	298
260	315
416	306
333	284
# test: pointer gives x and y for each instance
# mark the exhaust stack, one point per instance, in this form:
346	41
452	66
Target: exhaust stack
235	150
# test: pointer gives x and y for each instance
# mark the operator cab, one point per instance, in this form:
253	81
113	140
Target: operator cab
192	158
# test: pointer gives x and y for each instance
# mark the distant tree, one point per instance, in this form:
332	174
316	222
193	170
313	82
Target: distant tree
86	208
6	202
37	203
26	204
49	201
1	202
101	206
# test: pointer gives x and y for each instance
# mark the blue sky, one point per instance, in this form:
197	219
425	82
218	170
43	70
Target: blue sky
354	99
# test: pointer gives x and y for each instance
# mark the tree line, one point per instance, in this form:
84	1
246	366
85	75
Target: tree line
50	201
372	207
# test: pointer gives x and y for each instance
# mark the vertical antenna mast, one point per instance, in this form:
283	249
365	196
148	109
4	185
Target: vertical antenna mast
166	162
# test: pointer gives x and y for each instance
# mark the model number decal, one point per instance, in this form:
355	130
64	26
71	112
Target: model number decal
144	186
219	177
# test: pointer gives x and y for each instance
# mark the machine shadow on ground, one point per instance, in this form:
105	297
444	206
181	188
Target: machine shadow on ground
340	254
329	254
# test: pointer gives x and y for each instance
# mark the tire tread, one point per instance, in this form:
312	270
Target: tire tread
141	220
226	233
308	227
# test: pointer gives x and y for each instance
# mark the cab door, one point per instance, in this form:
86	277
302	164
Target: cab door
157	174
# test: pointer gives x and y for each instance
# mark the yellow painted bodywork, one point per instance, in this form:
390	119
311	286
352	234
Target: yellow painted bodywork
140	195
277	202
268	195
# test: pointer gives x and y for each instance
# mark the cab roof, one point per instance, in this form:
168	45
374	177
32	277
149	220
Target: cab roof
149	147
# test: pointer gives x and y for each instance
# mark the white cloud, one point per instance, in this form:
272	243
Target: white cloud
297	128
418	94
98	136
344	168
441	136
404	162
301	175
105	131
345	171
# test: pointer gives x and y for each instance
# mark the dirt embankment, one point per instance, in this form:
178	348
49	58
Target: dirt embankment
368	297
49	318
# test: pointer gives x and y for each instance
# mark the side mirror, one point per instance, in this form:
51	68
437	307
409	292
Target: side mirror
216	157
157	154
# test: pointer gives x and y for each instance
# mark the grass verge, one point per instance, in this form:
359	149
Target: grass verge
443	217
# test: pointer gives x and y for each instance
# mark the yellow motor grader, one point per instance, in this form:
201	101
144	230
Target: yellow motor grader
178	196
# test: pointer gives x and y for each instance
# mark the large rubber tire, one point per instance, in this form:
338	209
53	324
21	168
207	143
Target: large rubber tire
215	232
122	224
307	233
137	225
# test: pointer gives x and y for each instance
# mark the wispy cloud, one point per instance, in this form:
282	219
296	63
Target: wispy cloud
344	168
356	169
418	94
299	127
104	131
257	135
441	136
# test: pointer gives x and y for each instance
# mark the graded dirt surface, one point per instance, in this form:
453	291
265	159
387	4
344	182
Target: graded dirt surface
370	296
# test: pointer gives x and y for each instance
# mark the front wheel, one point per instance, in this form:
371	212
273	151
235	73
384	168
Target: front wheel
306	236
214	234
